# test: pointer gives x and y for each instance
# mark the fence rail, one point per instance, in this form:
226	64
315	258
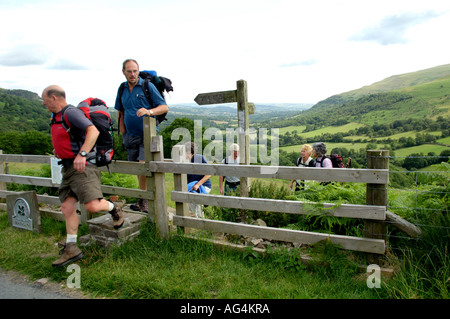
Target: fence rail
353	175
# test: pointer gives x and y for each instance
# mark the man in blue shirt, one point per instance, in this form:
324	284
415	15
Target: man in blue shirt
131	108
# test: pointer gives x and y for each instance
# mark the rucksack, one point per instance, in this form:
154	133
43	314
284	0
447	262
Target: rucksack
336	160
161	83
96	111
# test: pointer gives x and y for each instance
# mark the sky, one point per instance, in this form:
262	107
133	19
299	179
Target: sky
288	51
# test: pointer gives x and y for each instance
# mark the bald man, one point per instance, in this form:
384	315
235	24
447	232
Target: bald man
81	181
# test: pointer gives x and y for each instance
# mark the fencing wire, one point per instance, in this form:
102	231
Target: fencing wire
417	208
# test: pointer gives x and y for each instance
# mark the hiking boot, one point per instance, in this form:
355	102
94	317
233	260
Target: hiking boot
117	216
144	206
70	254
140	206
135	207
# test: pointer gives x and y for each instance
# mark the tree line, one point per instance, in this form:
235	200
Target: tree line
376	131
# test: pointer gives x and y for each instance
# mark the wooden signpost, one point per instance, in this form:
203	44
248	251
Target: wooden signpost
244	108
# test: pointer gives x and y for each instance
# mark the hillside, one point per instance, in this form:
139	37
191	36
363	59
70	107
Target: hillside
21	111
416	95
402	81
397	83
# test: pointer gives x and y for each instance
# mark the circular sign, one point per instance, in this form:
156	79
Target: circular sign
21	208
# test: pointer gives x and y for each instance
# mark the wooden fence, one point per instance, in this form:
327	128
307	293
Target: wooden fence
155	168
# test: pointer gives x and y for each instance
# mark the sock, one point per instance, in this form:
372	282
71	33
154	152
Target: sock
111	206
71	238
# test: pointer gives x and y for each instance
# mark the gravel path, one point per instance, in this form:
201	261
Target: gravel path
16	286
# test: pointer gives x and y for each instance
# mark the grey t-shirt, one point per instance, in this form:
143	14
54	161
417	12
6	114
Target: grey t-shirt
230	161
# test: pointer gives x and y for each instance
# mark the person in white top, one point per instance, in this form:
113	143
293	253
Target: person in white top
231	182
305	161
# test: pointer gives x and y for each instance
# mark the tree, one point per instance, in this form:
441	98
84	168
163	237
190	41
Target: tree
176	132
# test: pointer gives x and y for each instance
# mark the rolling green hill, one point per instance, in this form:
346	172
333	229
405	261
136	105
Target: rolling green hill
418	94
22	111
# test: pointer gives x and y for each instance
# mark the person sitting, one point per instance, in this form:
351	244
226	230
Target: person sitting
197	183
231	182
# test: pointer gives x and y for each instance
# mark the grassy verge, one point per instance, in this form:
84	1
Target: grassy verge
179	268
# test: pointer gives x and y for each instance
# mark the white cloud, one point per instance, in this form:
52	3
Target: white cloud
392	29
26	54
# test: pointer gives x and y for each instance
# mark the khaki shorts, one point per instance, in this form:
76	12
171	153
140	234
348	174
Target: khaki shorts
84	186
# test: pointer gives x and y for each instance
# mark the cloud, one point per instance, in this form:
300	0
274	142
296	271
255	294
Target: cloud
64	64
392	29
301	63
23	55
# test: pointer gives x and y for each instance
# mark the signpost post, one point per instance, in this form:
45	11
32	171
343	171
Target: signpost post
244	108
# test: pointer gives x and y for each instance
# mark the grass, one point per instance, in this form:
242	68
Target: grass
424	149
177	268
330	129
184	268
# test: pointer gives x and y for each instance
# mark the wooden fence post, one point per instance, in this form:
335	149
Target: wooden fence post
244	138
180	181
156	183
2	171
376	194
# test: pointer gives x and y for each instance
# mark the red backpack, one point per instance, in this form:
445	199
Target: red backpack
337	161
97	111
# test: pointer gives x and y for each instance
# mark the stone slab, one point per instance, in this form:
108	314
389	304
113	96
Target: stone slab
102	231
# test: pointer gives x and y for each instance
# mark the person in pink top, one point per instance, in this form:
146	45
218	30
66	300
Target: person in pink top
319	152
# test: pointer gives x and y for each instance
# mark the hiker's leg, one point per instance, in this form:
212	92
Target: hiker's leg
69	210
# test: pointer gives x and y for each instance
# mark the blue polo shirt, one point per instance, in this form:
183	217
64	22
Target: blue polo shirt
132	102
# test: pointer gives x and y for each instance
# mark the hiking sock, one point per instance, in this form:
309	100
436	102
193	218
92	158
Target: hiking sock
71	238
111	206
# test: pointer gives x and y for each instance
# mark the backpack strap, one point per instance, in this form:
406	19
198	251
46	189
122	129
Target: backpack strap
120	92
321	161
146	89
66	125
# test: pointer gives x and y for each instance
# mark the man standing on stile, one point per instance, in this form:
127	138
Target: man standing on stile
131	106
80	180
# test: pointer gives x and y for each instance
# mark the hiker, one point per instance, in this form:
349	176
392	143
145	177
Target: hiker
132	105
197	183
305	161
319	152
231	182
80	180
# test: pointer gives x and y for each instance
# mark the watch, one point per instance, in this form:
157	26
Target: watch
83	153
151	112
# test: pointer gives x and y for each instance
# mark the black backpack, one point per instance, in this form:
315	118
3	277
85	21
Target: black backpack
312	163
161	83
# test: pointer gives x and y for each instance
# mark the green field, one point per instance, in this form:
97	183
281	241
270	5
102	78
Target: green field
421	149
330	130
330	146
